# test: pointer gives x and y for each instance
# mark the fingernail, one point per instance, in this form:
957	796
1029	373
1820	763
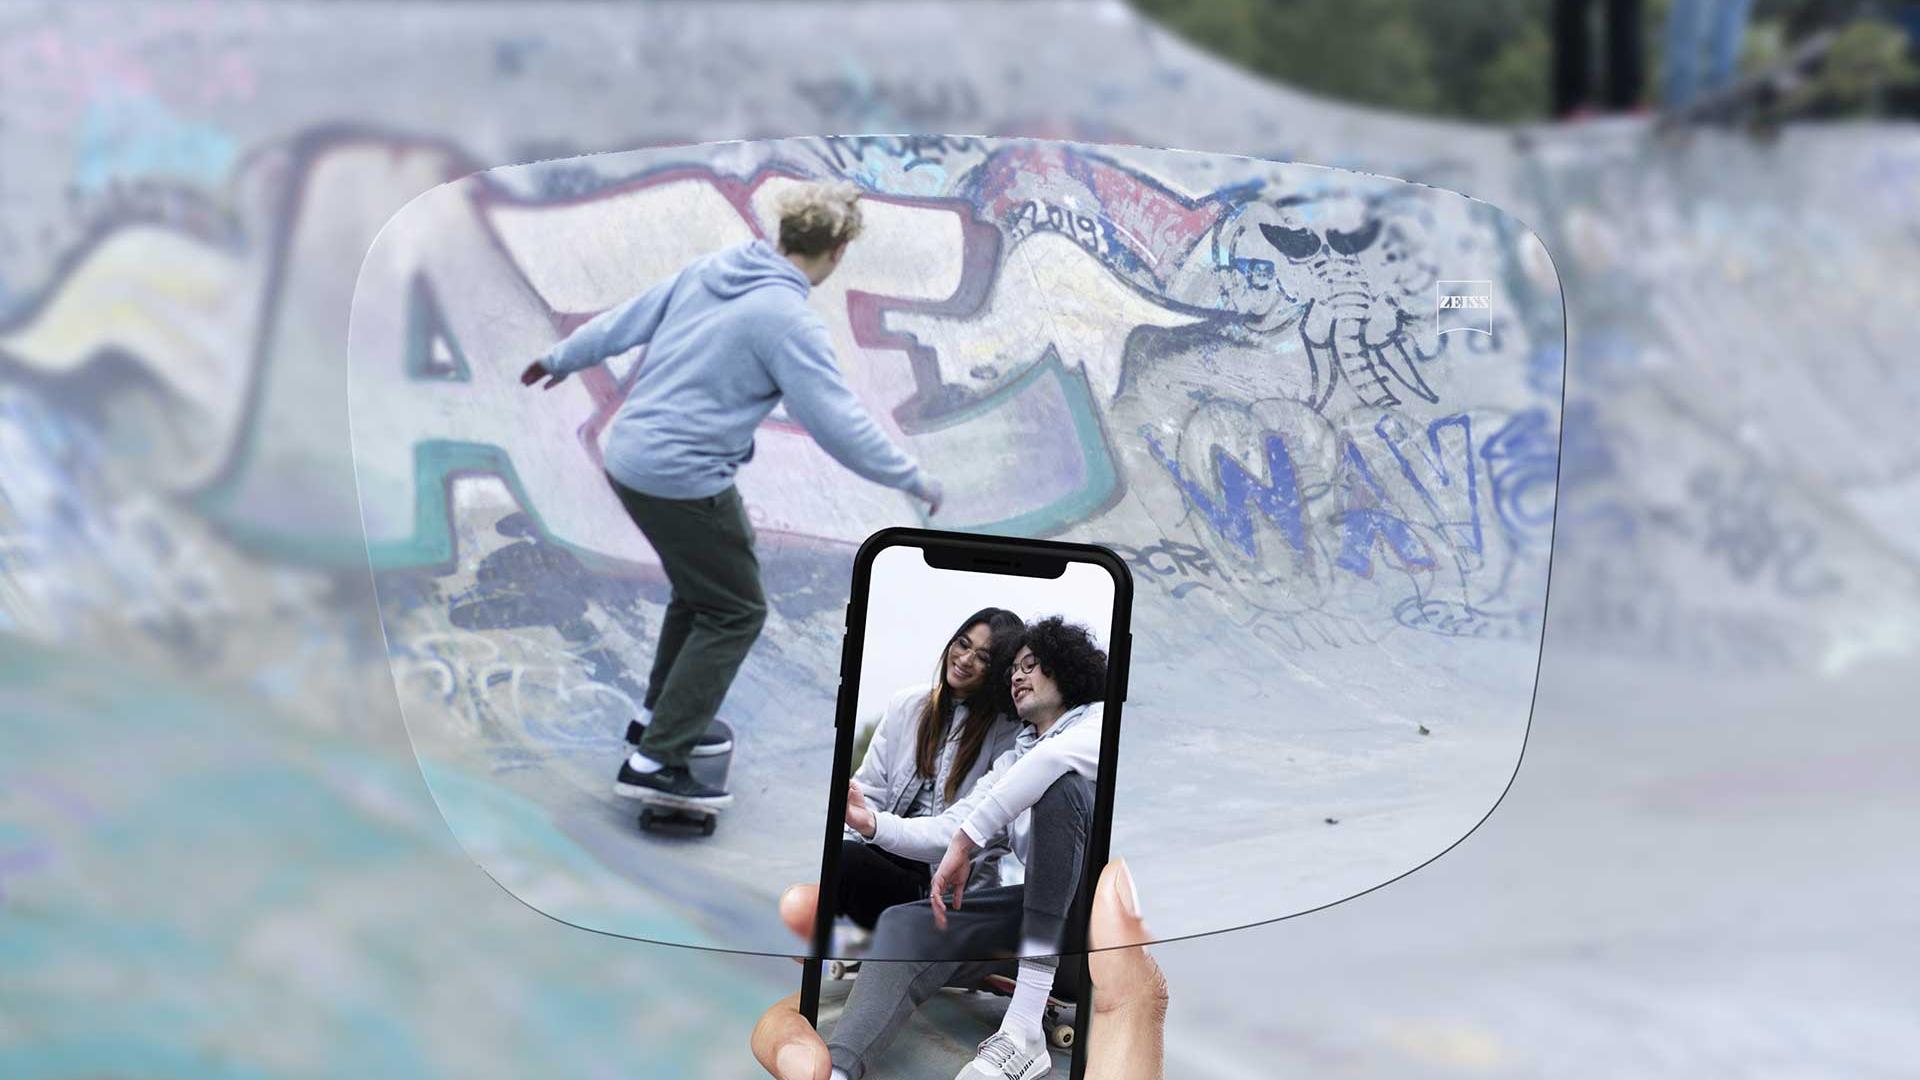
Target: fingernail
1129	897
794	1062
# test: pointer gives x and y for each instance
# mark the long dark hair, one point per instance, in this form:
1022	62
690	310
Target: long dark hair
984	705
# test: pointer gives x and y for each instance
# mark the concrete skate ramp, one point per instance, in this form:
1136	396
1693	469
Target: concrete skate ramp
1701	866
1237	374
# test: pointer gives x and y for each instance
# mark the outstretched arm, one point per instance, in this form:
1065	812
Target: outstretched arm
802	365
609	333
1028	778
927	838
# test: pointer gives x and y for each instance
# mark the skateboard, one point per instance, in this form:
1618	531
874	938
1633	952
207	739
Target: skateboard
665	811
851	942
1058	1019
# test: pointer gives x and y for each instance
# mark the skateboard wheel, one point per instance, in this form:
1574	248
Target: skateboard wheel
1060	1036
647	818
707	826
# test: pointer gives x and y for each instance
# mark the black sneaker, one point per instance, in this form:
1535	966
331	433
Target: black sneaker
671	785
712	743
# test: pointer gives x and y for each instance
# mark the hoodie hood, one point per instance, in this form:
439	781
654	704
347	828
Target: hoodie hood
753	265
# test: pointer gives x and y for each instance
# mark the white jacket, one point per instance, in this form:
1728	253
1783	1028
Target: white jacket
889	776
998	807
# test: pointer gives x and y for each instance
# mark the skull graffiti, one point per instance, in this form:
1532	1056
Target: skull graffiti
1349	275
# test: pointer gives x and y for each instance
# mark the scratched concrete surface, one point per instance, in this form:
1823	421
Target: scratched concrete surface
215	856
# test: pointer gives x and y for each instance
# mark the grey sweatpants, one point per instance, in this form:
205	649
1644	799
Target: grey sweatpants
982	936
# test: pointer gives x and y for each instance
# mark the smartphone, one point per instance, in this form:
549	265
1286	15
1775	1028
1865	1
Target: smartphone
983	679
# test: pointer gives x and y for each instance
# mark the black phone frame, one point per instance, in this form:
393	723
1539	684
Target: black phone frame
982	553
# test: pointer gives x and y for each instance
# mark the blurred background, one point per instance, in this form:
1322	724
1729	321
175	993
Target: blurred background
217	858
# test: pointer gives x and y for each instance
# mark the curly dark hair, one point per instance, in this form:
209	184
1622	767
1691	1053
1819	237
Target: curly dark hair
1070	658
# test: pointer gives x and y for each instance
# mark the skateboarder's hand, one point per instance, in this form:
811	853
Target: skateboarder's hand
931	492
952	874
859	814
537	371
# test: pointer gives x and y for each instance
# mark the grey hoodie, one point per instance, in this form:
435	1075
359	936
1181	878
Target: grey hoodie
727	338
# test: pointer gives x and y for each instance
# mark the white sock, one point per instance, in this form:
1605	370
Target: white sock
839	1074
641	763
1023	1019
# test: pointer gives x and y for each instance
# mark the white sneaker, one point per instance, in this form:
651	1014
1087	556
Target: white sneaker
1003	1057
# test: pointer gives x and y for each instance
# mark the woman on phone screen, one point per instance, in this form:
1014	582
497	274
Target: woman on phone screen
929	749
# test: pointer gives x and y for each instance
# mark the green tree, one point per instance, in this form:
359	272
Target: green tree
1491	59
1868	58
1369	51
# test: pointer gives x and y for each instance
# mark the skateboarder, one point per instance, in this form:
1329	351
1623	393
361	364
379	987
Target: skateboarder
1040	794
728	338
930	749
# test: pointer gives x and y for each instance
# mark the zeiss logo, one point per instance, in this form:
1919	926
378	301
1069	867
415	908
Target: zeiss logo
1463	305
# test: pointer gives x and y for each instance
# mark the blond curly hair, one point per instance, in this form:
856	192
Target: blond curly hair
816	218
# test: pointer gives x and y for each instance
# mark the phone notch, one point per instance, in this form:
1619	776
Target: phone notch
988	561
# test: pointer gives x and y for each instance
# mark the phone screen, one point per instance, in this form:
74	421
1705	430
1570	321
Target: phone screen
979	713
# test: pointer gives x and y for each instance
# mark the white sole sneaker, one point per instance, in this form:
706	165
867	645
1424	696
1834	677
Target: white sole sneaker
676	802
1035	1068
714	749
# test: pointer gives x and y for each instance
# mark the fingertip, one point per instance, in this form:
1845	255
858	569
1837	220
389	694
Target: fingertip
797	908
1116	921
1125	890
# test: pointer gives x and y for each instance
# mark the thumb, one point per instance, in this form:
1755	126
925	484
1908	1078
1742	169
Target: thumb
1127	980
787	1046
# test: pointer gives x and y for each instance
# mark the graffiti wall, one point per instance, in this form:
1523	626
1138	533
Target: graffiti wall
1254	391
190	190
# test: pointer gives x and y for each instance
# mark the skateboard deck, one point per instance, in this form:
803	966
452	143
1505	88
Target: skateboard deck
1058	1019
665	811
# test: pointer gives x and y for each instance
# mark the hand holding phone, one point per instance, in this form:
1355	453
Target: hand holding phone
1126	1039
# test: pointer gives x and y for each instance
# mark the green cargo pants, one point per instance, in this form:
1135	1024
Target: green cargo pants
713	616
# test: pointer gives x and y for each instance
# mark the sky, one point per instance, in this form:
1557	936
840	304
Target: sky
913	609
